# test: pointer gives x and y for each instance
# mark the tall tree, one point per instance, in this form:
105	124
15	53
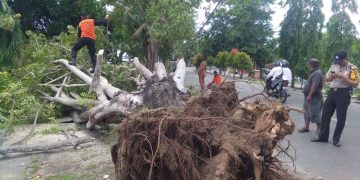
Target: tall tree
244	25
300	33
341	31
11	36
52	17
150	27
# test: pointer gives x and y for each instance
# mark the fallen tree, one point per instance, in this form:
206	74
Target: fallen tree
214	136
159	90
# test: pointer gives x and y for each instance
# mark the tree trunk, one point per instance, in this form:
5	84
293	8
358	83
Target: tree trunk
153	49
112	102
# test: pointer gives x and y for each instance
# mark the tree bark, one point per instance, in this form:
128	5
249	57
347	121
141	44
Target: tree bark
45	147
153	49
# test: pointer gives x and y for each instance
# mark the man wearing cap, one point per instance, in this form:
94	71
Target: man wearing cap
313	97
86	33
343	77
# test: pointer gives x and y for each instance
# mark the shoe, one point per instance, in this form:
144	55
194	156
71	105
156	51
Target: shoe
73	63
318	140
337	144
92	71
302	130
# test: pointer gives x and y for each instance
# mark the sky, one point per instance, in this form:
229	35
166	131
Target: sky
279	14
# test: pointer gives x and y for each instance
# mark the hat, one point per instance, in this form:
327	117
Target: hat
340	55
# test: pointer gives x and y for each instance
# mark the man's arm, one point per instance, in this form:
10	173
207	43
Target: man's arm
329	76
101	22
312	91
271	73
79	32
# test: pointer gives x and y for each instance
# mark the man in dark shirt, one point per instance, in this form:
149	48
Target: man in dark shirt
313	97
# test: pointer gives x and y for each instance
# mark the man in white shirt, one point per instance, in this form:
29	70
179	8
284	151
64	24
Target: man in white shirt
287	72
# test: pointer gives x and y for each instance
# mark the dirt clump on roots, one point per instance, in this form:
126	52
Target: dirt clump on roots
214	136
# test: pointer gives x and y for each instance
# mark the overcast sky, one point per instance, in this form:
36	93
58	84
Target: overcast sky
279	14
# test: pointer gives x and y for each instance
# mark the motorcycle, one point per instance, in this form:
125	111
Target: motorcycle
277	89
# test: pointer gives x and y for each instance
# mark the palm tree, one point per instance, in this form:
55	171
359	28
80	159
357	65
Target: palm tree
11	36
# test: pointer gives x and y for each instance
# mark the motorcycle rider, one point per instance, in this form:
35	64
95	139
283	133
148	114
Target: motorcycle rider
287	77
274	76
281	71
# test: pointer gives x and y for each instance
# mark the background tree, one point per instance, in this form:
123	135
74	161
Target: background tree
300	33
341	31
244	25
52	17
221	58
150	27
11	36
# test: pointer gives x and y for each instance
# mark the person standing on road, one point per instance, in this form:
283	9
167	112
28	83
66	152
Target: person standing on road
343	77
313	97
86	34
201	73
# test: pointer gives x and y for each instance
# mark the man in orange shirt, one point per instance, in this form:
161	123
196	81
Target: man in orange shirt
86	33
216	79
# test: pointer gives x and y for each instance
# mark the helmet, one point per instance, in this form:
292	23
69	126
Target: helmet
277	64
285	63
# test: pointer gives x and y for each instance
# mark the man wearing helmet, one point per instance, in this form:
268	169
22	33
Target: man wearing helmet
287	77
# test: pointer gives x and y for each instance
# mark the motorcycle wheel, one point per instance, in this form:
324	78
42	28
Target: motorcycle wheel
283	96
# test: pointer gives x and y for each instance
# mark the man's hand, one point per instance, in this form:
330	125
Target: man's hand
308	99
340	75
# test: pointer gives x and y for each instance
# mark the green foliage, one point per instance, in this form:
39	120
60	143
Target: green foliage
197	59
19	99
11	36
210	60
118	75
300	33
244	25
63	176
52	129
240	61
51	17
357	94
165	23
221	58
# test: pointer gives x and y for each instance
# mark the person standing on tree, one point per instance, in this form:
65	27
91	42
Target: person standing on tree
86	33
313	97
201	73
343	77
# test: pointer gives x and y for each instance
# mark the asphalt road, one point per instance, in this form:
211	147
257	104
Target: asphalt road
313	160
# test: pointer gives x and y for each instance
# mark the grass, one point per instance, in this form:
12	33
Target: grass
357	93
63	176
35	165
53	129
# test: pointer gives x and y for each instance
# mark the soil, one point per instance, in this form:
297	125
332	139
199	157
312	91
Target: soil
214	136
88	161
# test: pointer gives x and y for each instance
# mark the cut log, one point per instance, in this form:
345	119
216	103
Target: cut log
45	147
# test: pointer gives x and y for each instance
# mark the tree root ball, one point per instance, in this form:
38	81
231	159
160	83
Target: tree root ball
214	136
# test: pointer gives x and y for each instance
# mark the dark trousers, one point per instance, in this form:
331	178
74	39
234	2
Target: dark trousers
338	100
90	43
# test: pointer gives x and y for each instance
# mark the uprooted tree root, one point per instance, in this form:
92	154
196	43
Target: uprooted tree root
213	137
